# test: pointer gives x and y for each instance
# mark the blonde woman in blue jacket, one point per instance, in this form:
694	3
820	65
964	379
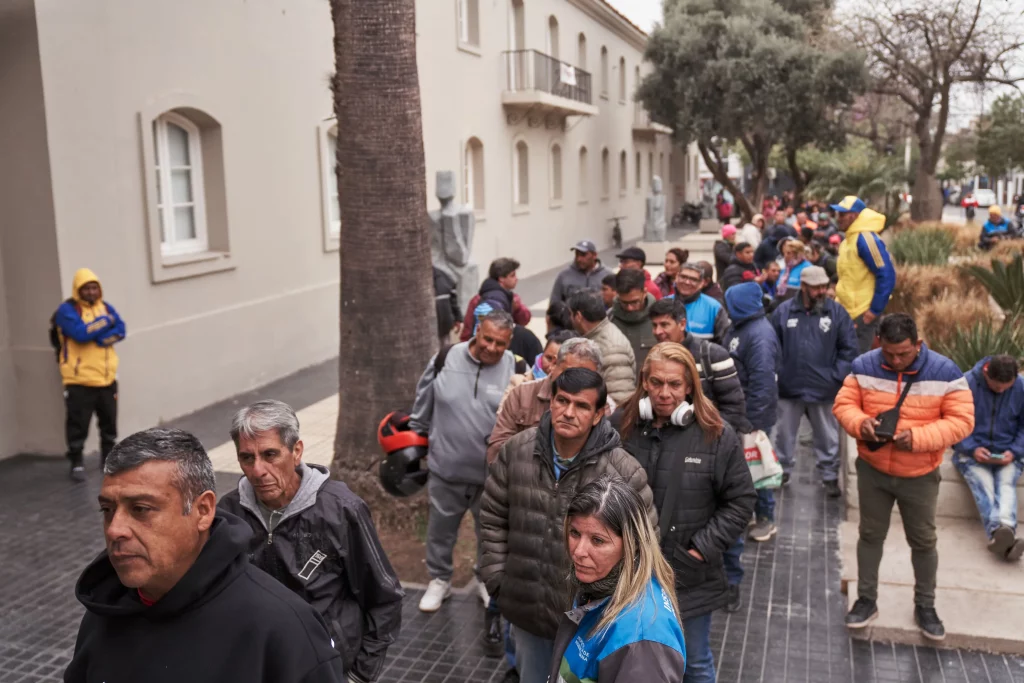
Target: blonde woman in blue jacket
624	625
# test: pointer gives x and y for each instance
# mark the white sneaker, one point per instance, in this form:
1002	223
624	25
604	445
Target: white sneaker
481	590
438	591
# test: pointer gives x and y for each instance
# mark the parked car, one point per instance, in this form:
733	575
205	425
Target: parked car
986	198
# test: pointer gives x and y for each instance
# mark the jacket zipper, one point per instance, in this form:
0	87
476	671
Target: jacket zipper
992	422
476	384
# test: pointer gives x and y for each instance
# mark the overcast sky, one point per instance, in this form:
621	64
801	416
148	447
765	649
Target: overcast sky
643	13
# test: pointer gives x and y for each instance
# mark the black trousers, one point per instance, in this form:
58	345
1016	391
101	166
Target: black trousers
81	402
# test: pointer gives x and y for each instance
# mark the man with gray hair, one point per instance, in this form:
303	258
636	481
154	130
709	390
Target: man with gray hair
315	536
456	403
175	590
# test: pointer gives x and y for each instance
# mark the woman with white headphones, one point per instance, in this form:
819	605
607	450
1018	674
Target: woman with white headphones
701	484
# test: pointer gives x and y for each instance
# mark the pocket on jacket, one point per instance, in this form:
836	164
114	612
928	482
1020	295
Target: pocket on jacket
690	572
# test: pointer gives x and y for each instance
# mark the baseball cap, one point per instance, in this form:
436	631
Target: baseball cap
728	230
586	246
632	253
850	204
813	276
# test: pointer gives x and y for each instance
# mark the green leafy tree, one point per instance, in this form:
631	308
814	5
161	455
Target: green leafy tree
959	155
1000	144
759	73
857	170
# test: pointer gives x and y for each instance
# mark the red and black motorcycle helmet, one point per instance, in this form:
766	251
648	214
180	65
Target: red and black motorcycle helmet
402	472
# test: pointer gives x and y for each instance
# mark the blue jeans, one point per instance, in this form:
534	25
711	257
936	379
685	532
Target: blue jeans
764	508
994	488
700	662
731	560
826	435
533	656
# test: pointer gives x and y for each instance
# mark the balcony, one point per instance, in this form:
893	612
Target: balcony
538	86
643	126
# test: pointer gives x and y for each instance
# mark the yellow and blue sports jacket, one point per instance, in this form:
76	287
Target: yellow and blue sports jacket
866	274
87	337
643	645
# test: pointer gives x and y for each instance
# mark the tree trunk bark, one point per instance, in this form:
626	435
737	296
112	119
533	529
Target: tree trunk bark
388	332
722	175
799	178
927	204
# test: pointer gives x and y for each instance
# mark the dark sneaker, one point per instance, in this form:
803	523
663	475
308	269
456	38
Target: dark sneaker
832	489
77	470
864	611
734	599
1002	541
929	623
494	640
763	530
785	478
1016	550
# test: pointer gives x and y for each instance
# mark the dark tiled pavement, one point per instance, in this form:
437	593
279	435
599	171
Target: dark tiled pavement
789	629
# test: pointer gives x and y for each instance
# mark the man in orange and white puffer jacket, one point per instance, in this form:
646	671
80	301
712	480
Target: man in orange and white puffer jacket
938	411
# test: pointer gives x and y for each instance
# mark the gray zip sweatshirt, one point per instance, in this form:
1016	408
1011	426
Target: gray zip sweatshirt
305	497
572	279
457	410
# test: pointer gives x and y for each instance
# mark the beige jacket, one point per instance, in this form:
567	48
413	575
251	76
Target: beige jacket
617	360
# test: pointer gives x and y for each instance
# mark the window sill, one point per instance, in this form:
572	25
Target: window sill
555	204
584	201
469	48
604	96
605	198
480	216
520	210
182	266
622	102
332	242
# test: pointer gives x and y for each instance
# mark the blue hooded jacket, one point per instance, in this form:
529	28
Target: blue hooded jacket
817	350
998	418
755	348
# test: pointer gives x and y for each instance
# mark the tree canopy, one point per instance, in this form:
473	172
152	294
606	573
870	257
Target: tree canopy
756	72
1000	145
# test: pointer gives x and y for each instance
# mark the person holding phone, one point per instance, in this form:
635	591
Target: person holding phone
905	405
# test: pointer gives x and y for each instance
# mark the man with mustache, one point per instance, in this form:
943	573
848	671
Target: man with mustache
818	345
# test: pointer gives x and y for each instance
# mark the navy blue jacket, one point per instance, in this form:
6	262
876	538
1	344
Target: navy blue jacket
754	347
817	350
998	418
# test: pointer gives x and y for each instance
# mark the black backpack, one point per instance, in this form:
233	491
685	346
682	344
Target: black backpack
55	336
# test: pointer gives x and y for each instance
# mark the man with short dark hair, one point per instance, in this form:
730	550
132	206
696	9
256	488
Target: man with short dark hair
175	593
584	273
629	313
821	258
741	268
818	346
324	545
706	318
589	319
608	291
991	459
527	492
718	378
497	290
634	258
456	403
899	464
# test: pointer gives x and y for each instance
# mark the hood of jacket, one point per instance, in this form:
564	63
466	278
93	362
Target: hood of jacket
867	221
744	301
632	317
492	292
313	478
602	439
84	276
219	562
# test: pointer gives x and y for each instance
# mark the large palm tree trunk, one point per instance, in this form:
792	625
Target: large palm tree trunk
388	328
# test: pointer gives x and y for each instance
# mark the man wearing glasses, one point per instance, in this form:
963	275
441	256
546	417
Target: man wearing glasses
705	317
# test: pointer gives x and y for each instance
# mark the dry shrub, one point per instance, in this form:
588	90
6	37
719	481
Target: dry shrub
938	318
1005	250
918	285
965	237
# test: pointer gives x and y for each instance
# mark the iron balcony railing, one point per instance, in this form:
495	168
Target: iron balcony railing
533	70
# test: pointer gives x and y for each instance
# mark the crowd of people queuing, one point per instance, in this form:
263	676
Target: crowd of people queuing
614	453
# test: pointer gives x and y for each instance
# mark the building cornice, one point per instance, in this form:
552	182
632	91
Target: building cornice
614	20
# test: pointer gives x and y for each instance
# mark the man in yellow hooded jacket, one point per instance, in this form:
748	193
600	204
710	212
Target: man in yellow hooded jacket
87	329
865	271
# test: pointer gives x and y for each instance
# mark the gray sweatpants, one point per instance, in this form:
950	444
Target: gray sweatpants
449	502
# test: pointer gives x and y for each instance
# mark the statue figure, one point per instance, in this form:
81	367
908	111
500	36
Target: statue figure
451	239
655	225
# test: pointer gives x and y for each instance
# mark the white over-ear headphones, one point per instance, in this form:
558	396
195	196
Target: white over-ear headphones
681	416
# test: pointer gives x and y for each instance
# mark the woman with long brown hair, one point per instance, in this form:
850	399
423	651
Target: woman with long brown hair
666	280
701	484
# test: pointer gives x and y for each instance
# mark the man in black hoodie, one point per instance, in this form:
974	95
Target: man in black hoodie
174	598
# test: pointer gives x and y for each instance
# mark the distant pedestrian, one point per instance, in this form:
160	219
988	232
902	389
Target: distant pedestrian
666	279
706	318
608	293
618	360
723	250
630	312
741	268
585	272
558	318
634	258
498	289
174	597
708	285
84	330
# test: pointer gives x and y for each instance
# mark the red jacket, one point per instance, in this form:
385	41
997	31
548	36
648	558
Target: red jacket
520	314
652	289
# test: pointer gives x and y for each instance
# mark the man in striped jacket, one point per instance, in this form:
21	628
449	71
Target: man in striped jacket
935	411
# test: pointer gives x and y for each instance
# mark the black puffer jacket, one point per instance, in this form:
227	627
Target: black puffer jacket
523	556
713	501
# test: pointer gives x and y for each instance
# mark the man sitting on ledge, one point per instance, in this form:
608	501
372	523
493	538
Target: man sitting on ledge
992	457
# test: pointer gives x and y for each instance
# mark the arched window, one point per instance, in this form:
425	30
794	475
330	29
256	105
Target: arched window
473	174
581	51
604	72
469	22
556	173
606	174
521	174
623	172
639	182
584	175
622	79
553	47
179	186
